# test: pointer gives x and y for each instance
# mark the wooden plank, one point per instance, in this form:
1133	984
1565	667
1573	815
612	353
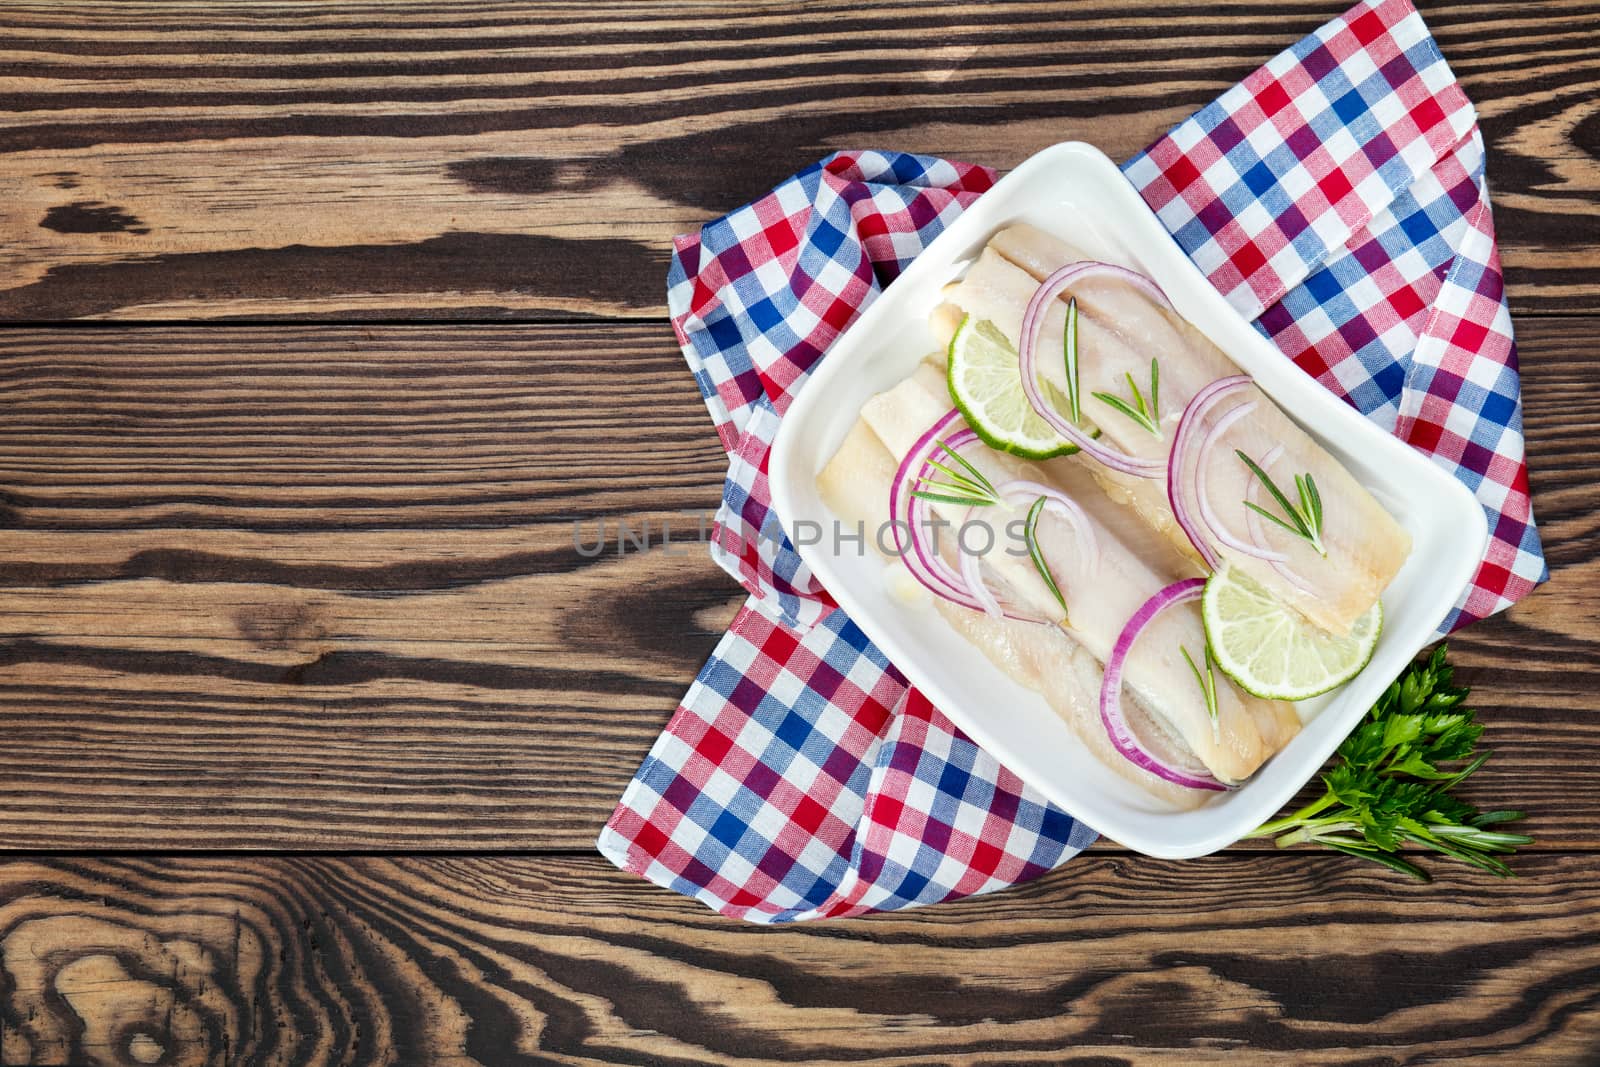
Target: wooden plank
1237	959
249	568
492	159
315	587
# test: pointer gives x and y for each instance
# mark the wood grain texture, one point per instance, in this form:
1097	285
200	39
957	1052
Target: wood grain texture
317	587
501	159
291	587
337	572
1254	960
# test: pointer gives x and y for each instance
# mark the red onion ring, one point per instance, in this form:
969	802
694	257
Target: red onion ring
926	565
1056	501
954	443
1116	724
1212	520
1028	363
1183	444
917	518
972	573
1016	492
1258	531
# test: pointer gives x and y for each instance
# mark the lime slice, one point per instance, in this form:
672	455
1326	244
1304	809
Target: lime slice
987	386
1271	650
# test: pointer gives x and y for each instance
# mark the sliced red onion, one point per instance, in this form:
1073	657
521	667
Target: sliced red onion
917	519
921	559
925	566
1061	278
1014	492
1033	322
1212	519
1122	736
1185	442
972	574
1258	531
1188	440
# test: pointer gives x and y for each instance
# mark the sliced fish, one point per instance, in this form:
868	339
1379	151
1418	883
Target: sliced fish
1102	588
855	485
1120	331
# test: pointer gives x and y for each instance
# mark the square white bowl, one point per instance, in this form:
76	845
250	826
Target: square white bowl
1073	190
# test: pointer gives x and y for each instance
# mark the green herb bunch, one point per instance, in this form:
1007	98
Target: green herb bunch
1390	785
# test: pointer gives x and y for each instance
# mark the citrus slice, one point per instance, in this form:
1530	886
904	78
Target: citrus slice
1271	650
986	385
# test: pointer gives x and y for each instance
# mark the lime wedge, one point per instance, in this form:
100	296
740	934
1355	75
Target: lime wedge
987	386
1271	650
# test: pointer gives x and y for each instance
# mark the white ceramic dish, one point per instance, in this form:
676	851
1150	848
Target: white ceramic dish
1074	190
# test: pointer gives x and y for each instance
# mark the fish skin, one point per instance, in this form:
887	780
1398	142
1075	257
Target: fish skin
1119	330
1104	592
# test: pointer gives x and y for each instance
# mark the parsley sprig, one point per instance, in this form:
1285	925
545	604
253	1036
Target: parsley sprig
1390	788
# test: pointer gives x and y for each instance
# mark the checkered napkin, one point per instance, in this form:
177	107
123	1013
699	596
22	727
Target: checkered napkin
1336	196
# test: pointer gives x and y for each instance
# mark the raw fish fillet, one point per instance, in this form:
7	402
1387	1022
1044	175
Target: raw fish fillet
1102	589
1119	331
855	485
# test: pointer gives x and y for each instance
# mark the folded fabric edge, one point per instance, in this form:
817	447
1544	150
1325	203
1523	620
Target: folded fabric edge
1514	563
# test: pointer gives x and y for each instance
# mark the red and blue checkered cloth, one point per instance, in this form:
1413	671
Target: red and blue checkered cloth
1336	196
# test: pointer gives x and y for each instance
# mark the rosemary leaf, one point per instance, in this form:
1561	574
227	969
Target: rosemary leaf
958	479
1270	517
1304	521
977	475
951	498
1123	406
1030	535
1277	494
1069	344
1146	416
1208	688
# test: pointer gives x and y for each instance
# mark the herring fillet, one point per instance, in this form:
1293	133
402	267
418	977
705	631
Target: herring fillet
1102	593
855	486
1120	330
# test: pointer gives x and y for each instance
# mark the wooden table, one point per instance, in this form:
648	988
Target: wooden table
325	320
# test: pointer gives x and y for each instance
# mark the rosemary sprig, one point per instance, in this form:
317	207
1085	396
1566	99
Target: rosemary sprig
1304	521
1029	535
1148	417
965	486
1208	688
1069	344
